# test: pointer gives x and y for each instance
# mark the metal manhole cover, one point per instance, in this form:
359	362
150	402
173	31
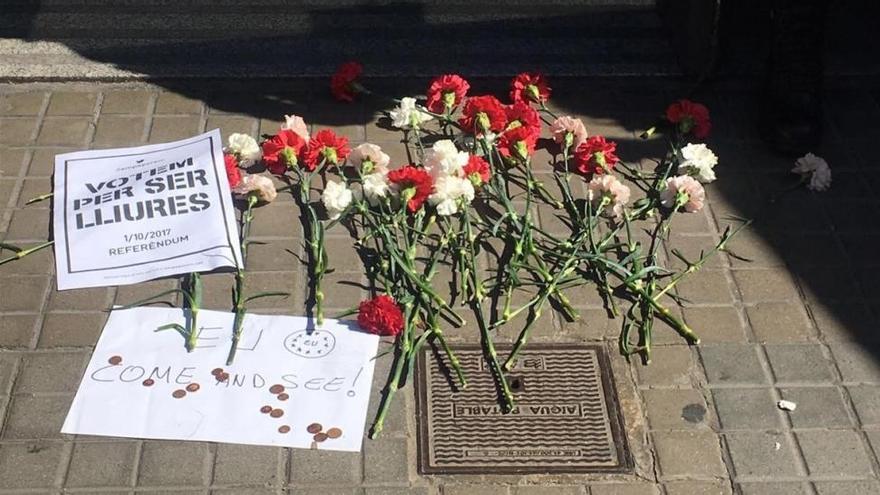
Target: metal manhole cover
566	417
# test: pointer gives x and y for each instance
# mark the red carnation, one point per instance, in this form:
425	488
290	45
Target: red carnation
521	114
344	84
482	113
415	185
281	152
326	146
595	156
232	171
529	86
381	316
446	92
517	144
691	118
477	170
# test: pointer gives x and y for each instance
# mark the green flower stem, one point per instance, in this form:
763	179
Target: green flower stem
21	253
316	241
194	297
491	354
238	292
403	345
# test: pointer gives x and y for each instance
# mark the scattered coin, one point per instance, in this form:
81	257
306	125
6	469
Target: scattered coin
222	377
320	437
216	371
283	396
114	360
266	409
276	389
283	429
178	394
276	413
314	428
193	387
334	433
148	382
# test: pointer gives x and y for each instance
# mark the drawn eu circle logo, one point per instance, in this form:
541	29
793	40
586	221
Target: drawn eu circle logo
313	345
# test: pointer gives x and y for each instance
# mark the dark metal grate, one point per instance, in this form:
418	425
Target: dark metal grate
566	418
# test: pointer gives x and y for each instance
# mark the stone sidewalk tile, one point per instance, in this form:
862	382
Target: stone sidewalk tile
33	187
172	103
689	454
549	490
387	460
115	129
32	465
328	490
843	321
866	487
676	409
28	225
697	488
866	400
71	329
172	128
17	331
132	102
817	407
856	363
836	453
93	299
22	411
775	488
18	131
732	364
324	468
42	163
672	366
473	488
756	286
50	372
63	131
800	363
624	489
398	491
11	161
247	465
72	103
746	409
761	454
29	103
779	322
174	464
709	287
102	464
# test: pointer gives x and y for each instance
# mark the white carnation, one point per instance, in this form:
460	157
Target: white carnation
444	159
817	169
699	162
407	115
450	193
376	186
336	198
245	148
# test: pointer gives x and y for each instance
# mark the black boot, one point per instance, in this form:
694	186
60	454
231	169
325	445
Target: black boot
792	105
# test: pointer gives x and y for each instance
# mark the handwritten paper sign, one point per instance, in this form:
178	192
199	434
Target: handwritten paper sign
123	216
287	387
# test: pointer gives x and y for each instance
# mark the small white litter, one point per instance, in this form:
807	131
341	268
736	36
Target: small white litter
786	405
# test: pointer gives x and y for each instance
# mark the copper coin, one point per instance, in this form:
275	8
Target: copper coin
334	433
276	413
149	382
283	396
193	387
276	389
266	409
222	377
283	429
320	437
115	360
179	393
216	371
314	428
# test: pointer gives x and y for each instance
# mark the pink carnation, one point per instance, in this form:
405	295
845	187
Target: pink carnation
564	125
683	192
607	188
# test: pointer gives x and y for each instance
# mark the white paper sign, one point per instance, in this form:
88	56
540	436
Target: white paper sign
123	216
284	380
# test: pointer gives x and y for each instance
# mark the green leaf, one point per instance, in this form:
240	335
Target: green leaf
151	298
266	294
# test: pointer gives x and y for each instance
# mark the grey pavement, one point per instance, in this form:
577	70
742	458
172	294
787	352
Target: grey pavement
797	321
